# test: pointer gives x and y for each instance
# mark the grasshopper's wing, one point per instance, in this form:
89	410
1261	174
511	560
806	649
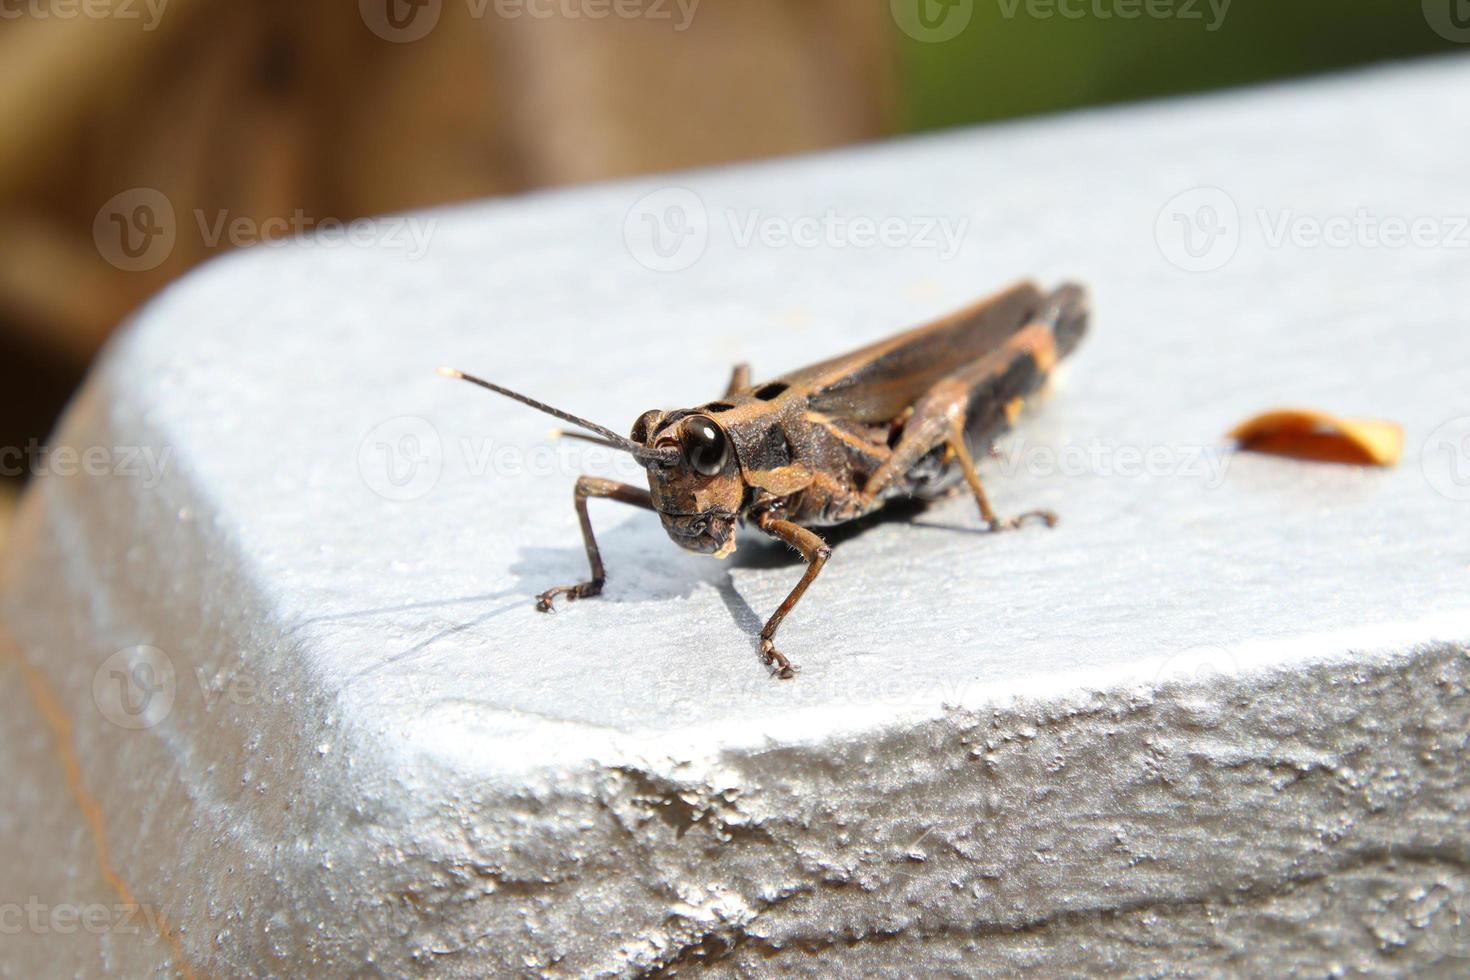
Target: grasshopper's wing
875	384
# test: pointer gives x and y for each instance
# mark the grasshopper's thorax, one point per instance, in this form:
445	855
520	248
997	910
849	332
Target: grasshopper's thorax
698	497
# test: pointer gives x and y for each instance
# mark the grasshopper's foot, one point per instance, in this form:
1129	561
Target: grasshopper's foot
1014	523
776	660
586	590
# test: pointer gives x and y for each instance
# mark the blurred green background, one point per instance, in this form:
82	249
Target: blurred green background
1003	66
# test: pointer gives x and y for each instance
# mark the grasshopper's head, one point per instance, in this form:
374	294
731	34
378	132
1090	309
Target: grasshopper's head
694	478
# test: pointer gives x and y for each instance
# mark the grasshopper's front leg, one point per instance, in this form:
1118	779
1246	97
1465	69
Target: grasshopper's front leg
591	486
816	552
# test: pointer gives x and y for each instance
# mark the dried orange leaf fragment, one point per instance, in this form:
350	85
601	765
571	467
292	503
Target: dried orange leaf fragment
1304	433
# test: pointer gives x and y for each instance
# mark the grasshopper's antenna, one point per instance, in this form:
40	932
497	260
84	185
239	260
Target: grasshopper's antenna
583	437
607	436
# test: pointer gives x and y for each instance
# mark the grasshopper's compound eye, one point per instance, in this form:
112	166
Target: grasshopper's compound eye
705	446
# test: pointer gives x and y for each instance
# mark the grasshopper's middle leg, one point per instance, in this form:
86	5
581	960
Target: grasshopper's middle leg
816	552
591	486
938	419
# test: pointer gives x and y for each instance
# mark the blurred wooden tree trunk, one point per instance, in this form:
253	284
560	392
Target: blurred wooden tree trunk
261	109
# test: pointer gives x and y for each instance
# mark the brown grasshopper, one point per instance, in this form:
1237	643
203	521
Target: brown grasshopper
835	441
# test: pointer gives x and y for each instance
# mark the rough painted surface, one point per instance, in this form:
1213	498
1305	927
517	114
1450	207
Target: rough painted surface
1216	720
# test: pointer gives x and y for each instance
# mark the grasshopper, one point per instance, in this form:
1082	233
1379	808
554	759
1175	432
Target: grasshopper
835	441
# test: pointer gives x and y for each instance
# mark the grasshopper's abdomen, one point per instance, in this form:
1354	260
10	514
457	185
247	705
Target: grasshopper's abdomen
1002	384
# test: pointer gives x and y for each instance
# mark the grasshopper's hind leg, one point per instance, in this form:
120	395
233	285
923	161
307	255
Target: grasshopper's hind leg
938	420
987	514
591	486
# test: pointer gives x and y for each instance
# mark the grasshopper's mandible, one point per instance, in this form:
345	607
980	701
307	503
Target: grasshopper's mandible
835	441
